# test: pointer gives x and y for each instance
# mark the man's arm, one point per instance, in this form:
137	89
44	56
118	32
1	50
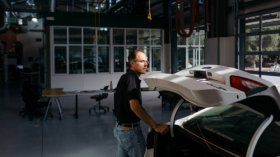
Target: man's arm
144	116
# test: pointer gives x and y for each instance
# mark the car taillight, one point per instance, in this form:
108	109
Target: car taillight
244	84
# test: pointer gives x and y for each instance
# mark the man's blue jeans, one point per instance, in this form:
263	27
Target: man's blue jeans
131	142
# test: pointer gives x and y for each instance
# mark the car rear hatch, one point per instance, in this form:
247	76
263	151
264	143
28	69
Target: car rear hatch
209	85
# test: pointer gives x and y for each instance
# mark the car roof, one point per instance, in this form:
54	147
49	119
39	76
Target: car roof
210	85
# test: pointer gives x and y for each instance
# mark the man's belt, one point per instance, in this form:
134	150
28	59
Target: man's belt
129	125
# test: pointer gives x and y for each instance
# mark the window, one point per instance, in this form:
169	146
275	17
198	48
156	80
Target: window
60	35
259	43
119	61
190	50
89	36
118	36
131	37
75	36
155	37
103	35
144	37
89	50
155	61
60	63
75	60
103	59
90	59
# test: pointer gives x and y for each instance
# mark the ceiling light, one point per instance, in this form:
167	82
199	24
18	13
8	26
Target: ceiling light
30	2
20	21
34	19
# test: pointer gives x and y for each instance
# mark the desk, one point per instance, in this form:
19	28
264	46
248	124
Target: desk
85	92
76	94
54	95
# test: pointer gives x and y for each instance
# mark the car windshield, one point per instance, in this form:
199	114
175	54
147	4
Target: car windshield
232	127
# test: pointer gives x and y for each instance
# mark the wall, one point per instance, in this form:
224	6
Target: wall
220	51
79	82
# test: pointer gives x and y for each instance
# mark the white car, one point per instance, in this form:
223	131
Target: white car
240	115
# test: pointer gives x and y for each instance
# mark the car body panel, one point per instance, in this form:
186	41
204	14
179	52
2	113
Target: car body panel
204	86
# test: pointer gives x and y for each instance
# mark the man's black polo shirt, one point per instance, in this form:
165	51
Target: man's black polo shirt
128	88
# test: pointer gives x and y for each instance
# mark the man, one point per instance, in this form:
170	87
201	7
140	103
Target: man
129	110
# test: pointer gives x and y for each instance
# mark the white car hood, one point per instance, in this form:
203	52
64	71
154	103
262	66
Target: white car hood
211	90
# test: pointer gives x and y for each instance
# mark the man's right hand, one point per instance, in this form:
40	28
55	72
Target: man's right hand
162	128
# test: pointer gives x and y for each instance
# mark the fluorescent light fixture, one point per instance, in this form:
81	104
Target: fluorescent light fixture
20	21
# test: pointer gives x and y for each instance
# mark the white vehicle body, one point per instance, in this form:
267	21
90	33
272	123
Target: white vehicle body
209	86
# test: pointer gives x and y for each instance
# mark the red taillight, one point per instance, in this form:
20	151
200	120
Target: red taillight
244	84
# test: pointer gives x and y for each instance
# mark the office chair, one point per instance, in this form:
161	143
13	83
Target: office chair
33	103
97	107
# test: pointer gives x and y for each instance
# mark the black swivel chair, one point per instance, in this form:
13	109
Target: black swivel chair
97	107
33	106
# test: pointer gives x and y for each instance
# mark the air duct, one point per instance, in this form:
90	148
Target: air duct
52	6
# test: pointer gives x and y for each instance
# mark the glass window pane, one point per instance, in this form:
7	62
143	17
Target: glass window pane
131	36
75	36
89	59
252	24
181	64
75	60
144	36
118	36
252	43
89	36
271	42
201	55
271	63
119	59
251	62
103	35
156	59
181	40
60	35
191	40
224	124
202	37
270	21
60	60
103	59
156	37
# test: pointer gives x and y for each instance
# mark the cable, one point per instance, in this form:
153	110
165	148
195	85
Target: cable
149	17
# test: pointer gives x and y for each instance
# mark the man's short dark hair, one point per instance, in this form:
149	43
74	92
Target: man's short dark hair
132	56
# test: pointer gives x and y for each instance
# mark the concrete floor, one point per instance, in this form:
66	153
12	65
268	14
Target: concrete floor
87	136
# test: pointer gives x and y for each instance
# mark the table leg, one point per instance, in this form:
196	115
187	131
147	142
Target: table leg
48	107
76	106
59	106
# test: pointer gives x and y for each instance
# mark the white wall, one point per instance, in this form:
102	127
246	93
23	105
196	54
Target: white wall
220	51
89	81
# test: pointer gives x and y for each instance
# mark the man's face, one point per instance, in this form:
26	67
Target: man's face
140	64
